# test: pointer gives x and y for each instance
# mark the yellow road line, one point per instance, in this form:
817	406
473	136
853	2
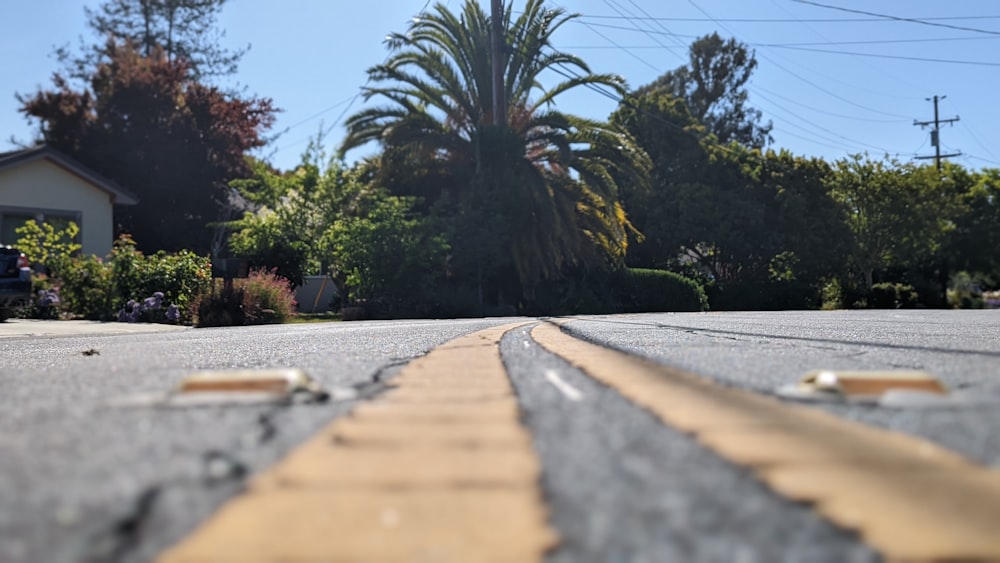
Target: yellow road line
437	469
907	498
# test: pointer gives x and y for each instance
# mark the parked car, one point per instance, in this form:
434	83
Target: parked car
15	281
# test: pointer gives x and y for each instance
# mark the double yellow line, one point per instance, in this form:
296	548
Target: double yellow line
440	468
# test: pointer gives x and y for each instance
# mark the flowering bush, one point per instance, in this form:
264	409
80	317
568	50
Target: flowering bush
180	278
44	301
105	290
263	298
268	297
44	304
150	310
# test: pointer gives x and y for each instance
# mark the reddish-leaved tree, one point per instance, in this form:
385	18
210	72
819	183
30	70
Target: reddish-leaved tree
145	123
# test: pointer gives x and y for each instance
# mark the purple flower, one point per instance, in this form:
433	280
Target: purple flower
158	295
173	313
47	298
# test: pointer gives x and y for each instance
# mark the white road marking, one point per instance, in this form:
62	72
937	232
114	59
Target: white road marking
571	393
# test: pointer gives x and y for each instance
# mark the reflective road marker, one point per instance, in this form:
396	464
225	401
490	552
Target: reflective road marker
906	497
437	469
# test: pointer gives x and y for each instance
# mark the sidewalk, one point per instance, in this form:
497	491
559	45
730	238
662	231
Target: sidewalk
26	328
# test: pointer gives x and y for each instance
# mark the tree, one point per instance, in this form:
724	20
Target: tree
897	214
730	214
975	243
665	129
713	86
388	257
536	193
292	213
185	30
144	123
325	218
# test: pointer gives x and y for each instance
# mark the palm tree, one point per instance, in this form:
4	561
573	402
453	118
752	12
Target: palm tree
543	187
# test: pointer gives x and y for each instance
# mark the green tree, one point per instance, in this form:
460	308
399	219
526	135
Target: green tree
185	30
975	242
535	194
713	86
730	215
665	129
325	218
897	214
293	212
387	257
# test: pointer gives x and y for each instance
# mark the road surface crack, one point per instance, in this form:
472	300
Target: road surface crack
124	535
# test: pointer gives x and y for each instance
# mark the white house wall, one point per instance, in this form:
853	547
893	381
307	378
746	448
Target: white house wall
43	185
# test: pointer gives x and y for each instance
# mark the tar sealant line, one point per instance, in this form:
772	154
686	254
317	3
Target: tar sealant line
438	468
908	498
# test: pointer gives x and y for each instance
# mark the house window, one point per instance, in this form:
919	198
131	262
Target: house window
12	219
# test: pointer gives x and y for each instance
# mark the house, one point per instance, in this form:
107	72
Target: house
46	185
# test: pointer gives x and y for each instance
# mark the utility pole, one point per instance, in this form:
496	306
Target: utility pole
499	46
936	134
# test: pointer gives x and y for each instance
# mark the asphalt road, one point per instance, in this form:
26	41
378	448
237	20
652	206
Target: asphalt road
88	472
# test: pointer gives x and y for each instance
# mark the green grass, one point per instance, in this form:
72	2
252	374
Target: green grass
308	318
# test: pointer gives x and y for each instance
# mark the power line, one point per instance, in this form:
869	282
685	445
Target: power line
349	101
799	76
821	128
616	44
865	62
977	140
659	24
648	33
793	20
974	157
800	44
826	112
567	72
897	18
319	113
879	56
876	41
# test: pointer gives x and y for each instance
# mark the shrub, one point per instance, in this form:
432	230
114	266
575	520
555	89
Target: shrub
221	308
581	292
640	290
85	286
262	298
390	258
453	301
892	296
44	246
268	297
831	295
964	292
765	295
181	277
44	302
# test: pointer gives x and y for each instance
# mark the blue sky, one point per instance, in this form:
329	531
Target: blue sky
833	82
